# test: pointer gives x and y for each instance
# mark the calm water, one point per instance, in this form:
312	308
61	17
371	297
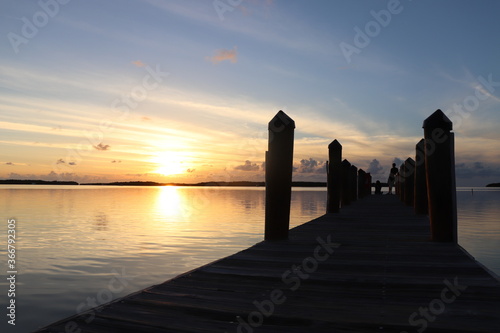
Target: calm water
75	244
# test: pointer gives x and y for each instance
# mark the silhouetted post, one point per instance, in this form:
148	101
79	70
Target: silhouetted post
346	188
368	183
279	164
334	177
420	182
397	185
409	167
402	179
440	171
354	183
361	183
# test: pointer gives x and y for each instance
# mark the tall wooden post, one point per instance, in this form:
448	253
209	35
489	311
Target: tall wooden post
346	188
279	166
402	179
420	204
368	184
409	185
361	183
440	171
397	185
334	177
354	183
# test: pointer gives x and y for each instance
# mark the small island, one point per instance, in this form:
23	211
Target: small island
493	185
35	182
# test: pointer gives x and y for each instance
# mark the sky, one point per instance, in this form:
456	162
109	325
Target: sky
183	90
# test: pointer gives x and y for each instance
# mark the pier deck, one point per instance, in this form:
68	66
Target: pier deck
369	268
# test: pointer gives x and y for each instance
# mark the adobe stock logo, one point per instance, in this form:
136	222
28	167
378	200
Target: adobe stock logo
437	306
292	279
221	6
30	28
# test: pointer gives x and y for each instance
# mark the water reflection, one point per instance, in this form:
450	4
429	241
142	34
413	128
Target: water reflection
169	202
479	225
101	221
77	235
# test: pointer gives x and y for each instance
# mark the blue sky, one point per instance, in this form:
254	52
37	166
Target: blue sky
183	90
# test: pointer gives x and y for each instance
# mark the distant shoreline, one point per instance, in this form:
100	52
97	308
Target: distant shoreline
148	183
35	182
138	183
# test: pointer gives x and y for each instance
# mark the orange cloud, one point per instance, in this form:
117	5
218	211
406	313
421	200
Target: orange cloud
139	63
223	54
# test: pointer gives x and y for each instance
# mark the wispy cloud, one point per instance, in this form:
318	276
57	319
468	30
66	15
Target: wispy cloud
224	54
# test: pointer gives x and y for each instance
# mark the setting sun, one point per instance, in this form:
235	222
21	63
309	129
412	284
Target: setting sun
169	163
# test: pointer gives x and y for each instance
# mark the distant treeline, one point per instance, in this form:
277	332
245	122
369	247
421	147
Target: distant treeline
138	183
35	182
146	183
236	183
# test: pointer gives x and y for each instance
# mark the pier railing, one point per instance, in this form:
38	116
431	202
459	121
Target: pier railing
426	182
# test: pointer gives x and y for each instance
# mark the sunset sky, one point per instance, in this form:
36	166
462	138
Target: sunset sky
183	90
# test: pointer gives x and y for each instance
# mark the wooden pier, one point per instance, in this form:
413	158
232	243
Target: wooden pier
369	268
379	264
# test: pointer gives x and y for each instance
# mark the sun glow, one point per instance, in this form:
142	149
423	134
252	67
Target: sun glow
169	163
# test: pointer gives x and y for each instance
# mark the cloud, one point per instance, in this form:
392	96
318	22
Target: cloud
139	174
478	165
223	54
102	147
375	168
139	63
398	161
311	166
57	176
248	166
477	169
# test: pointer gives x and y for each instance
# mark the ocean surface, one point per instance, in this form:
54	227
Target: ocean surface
81	246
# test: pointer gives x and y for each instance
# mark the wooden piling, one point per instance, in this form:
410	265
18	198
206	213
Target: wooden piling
368	184
401	178
361	183
409	184
334	171
440	175
279	165
420	194
346	188
353	182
